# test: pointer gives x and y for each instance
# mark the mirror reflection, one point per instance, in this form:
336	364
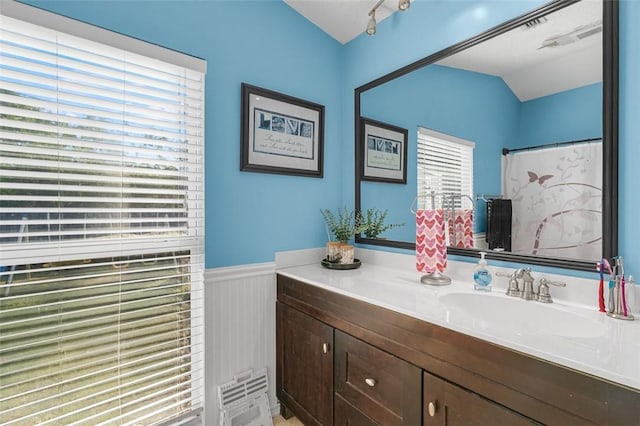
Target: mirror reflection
506	138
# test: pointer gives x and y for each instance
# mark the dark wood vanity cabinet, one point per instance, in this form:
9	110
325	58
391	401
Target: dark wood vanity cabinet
445	404
348	415
314	359
305	366
342	361
381	386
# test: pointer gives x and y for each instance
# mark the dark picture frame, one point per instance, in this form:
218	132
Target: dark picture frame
281	134
384	152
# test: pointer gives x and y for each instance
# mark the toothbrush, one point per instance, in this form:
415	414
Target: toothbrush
624	298
601	291
612	277
600	266
622	289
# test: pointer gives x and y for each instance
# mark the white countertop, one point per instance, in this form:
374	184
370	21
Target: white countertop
613	353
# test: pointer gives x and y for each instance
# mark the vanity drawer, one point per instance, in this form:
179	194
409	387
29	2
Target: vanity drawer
382	386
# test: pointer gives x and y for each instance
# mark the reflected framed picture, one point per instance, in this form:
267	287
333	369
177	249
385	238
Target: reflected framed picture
384	152
281	134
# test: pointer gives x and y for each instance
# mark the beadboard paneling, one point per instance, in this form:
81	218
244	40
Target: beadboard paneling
240	328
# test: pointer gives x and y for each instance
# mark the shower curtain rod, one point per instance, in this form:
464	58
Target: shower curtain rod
506	151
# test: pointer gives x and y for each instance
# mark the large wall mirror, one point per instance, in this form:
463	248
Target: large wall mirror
533	104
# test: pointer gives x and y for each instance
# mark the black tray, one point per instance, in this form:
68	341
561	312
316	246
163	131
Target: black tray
341	266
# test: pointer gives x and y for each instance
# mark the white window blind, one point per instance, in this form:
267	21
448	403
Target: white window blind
445	166
101	232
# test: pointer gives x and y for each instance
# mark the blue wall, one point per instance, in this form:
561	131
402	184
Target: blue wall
477	107
629	204
572	115
249	216
426	28
432	26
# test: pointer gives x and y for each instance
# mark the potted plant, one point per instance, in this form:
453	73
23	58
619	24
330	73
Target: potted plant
373	223
345	225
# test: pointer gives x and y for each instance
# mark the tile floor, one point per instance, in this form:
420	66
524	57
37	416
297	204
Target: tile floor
279	421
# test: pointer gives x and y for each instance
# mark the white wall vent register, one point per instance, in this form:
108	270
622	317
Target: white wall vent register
244	401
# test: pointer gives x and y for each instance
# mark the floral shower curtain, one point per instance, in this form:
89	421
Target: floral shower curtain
556	196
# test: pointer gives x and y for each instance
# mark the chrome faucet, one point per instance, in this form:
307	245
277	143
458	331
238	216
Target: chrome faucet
527	280
526	291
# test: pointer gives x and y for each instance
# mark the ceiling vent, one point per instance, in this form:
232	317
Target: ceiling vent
580	33
533	23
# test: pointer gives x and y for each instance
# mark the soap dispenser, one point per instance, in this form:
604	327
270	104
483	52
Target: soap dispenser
481	275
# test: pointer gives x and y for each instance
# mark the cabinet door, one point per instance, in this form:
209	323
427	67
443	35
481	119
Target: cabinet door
304	366
447	404
385	388
348	415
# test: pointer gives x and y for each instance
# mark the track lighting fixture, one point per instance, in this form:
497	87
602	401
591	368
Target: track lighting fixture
403	5
371	26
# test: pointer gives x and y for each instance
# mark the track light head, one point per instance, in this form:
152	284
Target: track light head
371	26
404	5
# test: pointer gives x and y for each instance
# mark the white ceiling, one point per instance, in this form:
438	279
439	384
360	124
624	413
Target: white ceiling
343	20
516	57
531	71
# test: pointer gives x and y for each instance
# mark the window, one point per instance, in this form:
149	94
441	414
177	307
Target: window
101	227
445	166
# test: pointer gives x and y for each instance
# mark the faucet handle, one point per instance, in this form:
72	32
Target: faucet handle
543	289
513	289
505	275
546	281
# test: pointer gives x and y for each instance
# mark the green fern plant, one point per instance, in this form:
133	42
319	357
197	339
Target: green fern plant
374	225
345	225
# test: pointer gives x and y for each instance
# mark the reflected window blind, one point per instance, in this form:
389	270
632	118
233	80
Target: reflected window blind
101	232
445	165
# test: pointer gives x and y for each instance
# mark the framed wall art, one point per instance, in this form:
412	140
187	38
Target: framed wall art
281	134
384	152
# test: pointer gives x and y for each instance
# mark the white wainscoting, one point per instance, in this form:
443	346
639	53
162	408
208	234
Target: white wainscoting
240	329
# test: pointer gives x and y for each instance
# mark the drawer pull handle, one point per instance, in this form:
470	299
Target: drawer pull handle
370	382
433	407
325	348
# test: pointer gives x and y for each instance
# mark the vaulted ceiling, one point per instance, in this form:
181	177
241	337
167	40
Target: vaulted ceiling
560	54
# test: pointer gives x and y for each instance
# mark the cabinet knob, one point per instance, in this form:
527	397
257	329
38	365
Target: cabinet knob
433	407
370	382
325	348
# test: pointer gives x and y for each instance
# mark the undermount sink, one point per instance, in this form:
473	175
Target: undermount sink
520	316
